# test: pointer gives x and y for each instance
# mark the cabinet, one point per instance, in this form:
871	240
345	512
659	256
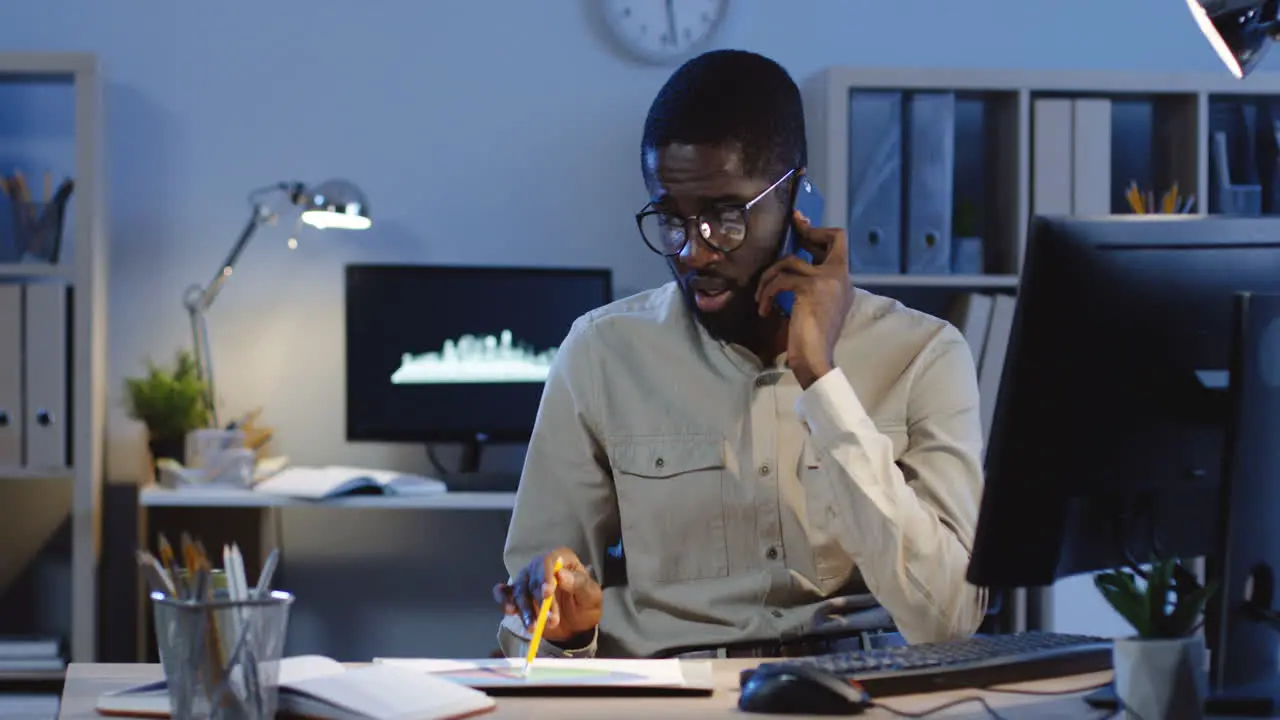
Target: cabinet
53	382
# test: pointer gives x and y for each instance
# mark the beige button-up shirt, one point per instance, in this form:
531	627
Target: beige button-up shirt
747	509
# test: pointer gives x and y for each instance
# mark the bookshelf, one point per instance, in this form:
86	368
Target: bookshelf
1052	143
46	487
1018	145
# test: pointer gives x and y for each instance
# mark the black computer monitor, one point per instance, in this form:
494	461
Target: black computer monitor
439	354
1129	410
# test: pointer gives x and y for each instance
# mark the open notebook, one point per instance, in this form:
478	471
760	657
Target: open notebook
568	676
320	483
316	687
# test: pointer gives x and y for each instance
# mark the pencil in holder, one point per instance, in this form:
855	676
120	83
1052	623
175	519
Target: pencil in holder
221	658
37	228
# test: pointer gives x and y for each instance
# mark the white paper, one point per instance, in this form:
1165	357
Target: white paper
549	672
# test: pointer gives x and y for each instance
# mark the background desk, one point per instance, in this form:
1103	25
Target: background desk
333	552
153	497
86	682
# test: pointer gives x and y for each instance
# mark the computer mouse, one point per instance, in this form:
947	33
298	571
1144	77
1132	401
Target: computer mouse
801	690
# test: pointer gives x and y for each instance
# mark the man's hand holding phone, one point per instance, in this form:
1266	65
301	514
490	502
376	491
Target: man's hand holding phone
576	603
823	296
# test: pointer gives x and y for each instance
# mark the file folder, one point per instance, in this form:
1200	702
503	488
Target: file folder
1051	174
1091	157
931	146
10	376
875	182
45	370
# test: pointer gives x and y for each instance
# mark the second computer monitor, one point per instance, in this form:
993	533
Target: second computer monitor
1108	436
452	354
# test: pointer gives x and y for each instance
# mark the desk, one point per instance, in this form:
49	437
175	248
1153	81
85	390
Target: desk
234	498
86	682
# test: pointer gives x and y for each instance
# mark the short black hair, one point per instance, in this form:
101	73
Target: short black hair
732	96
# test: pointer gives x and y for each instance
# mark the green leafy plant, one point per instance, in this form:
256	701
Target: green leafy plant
1165	604
169	401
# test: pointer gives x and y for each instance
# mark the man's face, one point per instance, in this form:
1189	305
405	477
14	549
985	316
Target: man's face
688	180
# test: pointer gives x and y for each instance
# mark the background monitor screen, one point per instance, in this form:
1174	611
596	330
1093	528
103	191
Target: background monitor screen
441	354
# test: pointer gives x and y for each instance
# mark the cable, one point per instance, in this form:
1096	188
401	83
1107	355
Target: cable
992	711
944	706
436	466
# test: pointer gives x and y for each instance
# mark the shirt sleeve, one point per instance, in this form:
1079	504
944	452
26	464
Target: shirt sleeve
566	495
908	524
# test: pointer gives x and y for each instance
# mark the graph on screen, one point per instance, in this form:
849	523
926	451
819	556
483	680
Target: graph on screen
476	359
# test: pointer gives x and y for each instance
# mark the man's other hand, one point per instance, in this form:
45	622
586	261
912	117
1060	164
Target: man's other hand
575	606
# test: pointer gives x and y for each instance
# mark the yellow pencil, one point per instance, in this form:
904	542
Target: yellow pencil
543	613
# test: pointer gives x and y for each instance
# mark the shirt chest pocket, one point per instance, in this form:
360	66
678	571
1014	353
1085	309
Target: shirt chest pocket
670	499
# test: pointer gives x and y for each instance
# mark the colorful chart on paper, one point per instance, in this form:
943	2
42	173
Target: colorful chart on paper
551	672
547	676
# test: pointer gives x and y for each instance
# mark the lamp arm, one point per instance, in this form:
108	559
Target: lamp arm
197	300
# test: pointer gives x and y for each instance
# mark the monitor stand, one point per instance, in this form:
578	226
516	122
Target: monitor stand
469	478
469	461
1242	631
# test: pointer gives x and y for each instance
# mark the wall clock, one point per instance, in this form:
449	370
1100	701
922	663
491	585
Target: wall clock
663	31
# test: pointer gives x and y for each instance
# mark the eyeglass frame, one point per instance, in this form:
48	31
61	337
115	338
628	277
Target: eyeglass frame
704	228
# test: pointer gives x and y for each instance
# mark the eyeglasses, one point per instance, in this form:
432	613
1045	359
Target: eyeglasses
723	227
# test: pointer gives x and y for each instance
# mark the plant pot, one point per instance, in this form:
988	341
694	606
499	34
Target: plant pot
1164	679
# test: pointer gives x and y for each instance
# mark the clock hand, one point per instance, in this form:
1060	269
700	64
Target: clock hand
671	21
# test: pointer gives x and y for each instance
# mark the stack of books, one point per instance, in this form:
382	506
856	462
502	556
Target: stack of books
25	658
30	654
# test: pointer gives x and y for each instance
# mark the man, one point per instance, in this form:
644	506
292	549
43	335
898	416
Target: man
762	478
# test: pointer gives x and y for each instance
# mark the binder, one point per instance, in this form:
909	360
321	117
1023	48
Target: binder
10	376
1051	139
1091	157
931	149
45	373
993	356
971	314
875	182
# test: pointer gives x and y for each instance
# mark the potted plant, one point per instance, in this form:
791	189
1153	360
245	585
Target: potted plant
170	402
1160	672
966	243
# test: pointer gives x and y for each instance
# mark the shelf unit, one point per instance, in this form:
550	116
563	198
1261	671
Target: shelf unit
82	268
1027	172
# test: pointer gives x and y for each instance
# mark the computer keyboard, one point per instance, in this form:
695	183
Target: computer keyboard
979	661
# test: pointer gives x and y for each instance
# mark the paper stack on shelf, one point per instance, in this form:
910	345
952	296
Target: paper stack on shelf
33	654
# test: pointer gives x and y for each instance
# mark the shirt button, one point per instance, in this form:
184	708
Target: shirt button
761	382
659	462
771	553
776	613
764	469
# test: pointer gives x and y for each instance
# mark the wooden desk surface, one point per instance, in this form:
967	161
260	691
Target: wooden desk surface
85	682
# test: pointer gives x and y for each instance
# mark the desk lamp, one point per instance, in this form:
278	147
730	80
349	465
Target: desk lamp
335	204
1240	31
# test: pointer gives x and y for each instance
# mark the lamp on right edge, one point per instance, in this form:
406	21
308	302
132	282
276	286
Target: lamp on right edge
1240	31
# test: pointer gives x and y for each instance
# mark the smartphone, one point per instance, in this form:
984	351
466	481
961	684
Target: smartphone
808	201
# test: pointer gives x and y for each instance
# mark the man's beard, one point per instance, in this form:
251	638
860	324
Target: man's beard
738	321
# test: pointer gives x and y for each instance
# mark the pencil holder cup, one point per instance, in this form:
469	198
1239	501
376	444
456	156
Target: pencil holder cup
1240	200
221	659
9	252
37	229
